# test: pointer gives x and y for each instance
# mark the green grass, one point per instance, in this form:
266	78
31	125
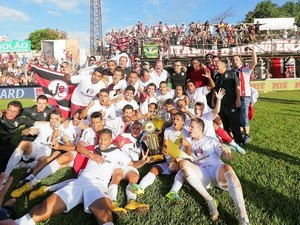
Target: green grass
269	174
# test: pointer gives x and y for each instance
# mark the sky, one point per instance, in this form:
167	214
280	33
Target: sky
18	18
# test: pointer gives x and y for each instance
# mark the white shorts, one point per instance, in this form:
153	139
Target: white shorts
37	151
211	176
83	190
165	168
127	169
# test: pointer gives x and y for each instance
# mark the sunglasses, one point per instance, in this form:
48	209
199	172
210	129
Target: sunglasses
92	59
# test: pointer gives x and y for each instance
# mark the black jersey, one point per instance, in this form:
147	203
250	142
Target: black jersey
8	128
32	114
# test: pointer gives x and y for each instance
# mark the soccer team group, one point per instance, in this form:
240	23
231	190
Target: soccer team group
203	113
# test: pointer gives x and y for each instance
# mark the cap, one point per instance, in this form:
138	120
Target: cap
146	63
137	59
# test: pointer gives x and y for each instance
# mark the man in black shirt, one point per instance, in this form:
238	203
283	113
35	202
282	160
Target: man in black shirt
231	101
178	75
10	121
39	112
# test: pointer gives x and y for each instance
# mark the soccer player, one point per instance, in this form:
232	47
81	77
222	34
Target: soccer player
132	146
10	121
70	158
208	170
177	134
90	188
40	148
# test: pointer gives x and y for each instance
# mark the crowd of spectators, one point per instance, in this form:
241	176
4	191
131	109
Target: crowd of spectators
15	70
195	34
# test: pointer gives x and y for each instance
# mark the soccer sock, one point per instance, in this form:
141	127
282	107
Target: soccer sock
13	161
235	190
109	223
113	192
25	220
232	143
178	181
223	134
48	170
60	185
130	195
147	180
194	180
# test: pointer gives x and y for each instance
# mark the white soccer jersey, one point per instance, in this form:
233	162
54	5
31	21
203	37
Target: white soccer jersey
199	96
45	134
144	84
85	90
131	150
173	135
113	158
209	129
109	112
120	105
89	137
206	151
73	132
158	78
169	94
120	86
117	126
144	105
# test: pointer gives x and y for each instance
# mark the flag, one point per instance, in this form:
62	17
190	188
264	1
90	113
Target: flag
57	90
150	51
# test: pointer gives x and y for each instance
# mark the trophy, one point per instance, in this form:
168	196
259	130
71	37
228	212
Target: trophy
152	141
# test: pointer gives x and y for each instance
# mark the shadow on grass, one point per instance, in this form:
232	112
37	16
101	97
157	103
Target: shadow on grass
272	202
281	101
275	154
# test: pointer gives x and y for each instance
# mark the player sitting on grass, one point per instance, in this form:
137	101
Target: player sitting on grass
177	134
212	120
129	144
208	170
88	138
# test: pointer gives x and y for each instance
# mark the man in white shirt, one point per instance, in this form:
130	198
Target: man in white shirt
208	170
131	145
88	87
159	74
101	105
128	99
40	148
144	79
90	188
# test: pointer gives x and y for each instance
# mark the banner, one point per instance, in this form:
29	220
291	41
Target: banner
57	90
15	46
150	51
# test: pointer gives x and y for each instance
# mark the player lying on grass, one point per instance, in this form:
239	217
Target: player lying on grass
90	188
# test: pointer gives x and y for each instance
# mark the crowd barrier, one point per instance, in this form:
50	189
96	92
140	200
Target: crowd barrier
268	85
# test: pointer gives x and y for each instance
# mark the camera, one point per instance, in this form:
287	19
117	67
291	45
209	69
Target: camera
246	49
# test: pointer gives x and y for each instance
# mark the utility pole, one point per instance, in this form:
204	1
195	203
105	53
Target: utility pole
95	26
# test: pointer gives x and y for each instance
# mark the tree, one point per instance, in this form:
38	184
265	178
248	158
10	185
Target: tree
264	9
47	34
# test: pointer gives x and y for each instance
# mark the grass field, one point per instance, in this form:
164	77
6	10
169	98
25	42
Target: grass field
269	173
